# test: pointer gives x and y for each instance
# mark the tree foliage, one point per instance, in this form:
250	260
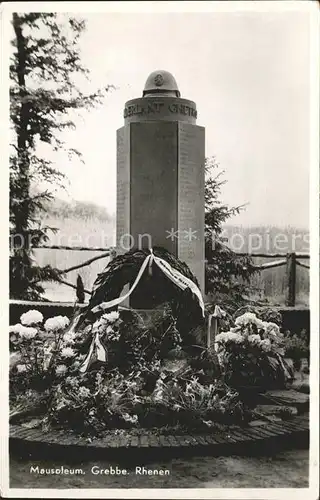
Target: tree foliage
45	73
227	273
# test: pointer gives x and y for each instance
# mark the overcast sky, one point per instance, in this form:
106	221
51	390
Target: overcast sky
248	74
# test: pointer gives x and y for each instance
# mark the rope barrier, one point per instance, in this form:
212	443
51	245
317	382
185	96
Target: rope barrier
302	264
63	247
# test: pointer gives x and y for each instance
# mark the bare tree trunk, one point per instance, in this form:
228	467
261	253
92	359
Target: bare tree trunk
20	260
22	128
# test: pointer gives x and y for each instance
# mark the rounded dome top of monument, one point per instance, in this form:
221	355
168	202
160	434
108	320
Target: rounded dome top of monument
161	82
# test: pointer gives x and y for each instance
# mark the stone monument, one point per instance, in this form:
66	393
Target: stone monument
160	174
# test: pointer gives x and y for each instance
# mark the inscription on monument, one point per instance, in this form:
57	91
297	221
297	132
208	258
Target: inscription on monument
158	108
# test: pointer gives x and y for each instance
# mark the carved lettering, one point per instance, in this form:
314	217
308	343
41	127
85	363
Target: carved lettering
151	108
159	108
172	108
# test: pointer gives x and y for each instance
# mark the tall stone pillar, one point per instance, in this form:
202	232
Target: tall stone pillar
160	174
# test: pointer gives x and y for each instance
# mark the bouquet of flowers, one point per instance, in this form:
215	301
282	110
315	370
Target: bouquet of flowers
40	352
251	354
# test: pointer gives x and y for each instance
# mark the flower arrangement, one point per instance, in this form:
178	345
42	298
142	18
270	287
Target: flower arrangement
99	401
252	354
39	352
118	372
146	381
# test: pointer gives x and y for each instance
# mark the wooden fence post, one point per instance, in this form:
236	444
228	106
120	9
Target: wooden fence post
291	279
80	290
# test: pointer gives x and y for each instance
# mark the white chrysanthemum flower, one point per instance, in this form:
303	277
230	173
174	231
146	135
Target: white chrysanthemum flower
234	337
111	317
67	352
56	323
224	337
31	317
16	328
27	332
61	369
247	319
254	339
101	323
21	368
83	392
265	345
221	337
69	337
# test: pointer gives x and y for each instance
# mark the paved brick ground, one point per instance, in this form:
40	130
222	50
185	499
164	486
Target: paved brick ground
260	430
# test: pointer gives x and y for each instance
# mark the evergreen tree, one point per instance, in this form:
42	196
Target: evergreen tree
227	273
45	64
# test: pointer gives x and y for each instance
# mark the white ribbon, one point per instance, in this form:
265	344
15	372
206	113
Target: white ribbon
213	320
115	302
180	280
100	353
175	276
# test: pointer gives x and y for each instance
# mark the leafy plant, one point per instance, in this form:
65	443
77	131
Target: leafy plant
45	64
196	404
296	346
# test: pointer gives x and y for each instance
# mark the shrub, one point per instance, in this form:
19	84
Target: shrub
296	346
